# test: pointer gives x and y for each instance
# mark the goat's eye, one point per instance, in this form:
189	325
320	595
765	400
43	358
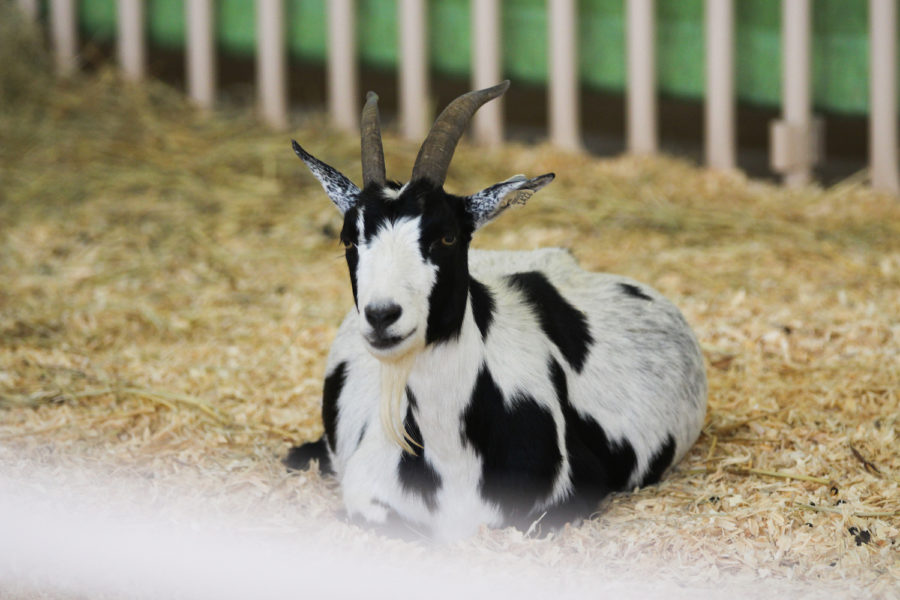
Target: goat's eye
448	240
348	244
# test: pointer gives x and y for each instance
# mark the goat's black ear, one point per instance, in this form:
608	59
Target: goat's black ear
490	202
341	190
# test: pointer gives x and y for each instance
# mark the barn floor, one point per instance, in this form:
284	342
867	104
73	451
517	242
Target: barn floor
170	284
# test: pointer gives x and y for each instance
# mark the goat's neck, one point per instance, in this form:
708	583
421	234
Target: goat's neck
442	375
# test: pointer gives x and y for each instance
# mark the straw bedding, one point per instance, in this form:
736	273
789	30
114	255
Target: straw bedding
170	284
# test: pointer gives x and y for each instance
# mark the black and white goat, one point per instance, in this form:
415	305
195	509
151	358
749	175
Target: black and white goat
497	388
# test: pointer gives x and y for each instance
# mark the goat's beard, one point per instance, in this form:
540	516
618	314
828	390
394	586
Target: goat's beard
394	404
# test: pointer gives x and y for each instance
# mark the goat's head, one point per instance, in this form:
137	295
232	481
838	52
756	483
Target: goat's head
407	245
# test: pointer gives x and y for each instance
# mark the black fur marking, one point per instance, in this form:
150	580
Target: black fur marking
349	237
483	306
450	293
598	466
661	461
518	448
299	457
379	212
565	325
334	383
634	291
416	475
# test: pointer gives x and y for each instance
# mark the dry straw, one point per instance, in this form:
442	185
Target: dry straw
170	284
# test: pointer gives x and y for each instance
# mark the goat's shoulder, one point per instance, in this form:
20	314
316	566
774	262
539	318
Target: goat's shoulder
550	274
491	264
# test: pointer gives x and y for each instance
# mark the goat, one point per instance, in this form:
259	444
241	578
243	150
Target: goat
471	388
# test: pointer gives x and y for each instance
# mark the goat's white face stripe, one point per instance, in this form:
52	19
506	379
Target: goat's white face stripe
391	270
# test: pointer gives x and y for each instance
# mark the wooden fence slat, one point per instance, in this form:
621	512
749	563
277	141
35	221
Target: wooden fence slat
487	68
131	46
343	74
200	55
641	131
883	87
414	98
271	64
797	136
564	106
64	32
720	139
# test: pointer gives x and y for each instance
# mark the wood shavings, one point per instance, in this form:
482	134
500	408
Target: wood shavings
169	290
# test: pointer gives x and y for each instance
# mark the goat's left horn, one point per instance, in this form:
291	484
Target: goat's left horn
370	143
434	157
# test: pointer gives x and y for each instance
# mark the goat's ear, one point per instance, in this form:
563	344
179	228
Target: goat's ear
490	202
341	190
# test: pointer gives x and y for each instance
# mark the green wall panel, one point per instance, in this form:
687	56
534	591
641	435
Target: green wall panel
166	22
840	44
449	46
601	35
98	19
841	56
525	40
680	48
236	26
377	29
306	32
758	51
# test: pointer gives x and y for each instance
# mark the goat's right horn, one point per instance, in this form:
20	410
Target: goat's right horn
434	156
373	170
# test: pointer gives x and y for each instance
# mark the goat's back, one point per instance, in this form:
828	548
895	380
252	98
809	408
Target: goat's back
633	364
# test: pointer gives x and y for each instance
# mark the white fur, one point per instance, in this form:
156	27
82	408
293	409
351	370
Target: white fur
643	378
391	271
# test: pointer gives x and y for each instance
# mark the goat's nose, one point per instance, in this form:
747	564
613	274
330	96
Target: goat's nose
380	316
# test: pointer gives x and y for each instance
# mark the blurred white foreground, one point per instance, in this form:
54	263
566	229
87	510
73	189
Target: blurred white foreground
102	541
68	534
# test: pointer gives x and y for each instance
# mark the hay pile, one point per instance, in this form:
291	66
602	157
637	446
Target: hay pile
170	284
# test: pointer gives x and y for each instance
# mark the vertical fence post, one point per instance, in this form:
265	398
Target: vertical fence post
641	66
201	56
271	67
486	68
720	143
563	98
883	92
796	138
343	75
64	28
30	8
413	68
131	48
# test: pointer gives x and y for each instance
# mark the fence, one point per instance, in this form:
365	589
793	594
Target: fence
795	139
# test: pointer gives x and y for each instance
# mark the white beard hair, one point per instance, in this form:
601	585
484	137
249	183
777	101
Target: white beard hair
394	404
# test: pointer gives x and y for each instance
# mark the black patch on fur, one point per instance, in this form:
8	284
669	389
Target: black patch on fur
483	306
598	466
661	461
565	325
634	291
416	474
446	218
299	457
518	447
334	384
349	237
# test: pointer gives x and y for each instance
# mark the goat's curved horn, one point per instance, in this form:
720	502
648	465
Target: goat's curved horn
370	144
434	156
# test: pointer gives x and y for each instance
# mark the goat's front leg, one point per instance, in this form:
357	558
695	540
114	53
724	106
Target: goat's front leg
369	478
